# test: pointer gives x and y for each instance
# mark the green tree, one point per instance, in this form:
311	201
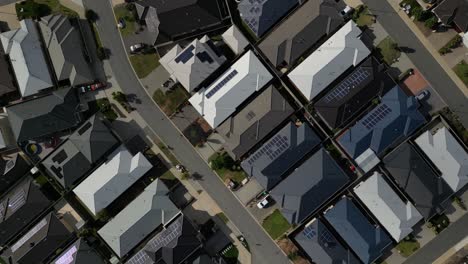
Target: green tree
222	161
431	22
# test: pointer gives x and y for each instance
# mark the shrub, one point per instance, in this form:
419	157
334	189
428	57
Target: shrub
454	42
417	12
102	53
91	15
222	161
431	22
444	50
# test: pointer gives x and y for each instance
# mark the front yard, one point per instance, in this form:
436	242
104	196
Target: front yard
275	224
363	17
438	223
230	254
226	167
407	246
39	8
127	13
170	100
388	50
461	69
105	108
144	64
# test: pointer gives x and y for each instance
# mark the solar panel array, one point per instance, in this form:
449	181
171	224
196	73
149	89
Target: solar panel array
376	116
186	55
273	148
352	81
161	240
326	237
2	211
309	232
17	200
28	235
221	84
67	258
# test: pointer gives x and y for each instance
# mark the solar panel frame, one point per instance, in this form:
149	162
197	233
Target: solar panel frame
221	84
349	83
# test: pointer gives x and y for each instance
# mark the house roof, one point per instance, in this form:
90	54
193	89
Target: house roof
12	168
7	84
366	239
177	242
19	207
143	215
415	177
394	119
453	11
340	52
354	92
321	245
309	186
40	242
167	20
111	179
309	24
397	216
81	151
46	115
24	48
80	252
66	49
268	166
261	15
193	64
234	38
254	122
223	96
448	155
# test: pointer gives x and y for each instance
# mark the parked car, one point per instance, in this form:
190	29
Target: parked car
168	83
422	95
232	185
347	11
137	47
265	202
180	168
92	87
121	23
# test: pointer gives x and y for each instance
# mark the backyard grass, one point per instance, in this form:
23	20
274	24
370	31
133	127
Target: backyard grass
388	49
223	217
39	8
41	180
275	224
363	17
407	246
121	11
461	69
171	100
144	64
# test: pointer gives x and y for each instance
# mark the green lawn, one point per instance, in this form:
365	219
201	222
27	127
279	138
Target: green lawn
168	176
388	49
121	11
461	69
168	153
39	8
407	246
170	100
2	261
106	109
144	64
41	180
363	17
96	35
227	169
275	224
223	217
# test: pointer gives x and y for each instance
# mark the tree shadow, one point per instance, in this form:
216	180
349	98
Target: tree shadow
406	49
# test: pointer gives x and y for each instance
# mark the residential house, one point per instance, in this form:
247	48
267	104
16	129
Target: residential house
353	93
322	246
313	22
453	11
394	214
24	49
80	252
388	124
19	207
234	38
150	210
428	192
281	152
221	99
365	238
12	168
309	186
340	52
261	15
193	64
45	116
167	21
66	49
243	130
111	179
447	154
82	150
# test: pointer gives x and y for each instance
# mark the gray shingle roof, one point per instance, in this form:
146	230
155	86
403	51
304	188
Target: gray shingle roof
453	11
309	186
268	168
255	121
81	151
261	15
65	45
45	115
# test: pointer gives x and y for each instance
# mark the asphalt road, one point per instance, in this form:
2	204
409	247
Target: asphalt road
263	249
421	57
442	243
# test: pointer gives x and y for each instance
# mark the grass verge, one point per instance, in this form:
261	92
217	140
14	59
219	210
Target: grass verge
275	224
388	50
170	101
223	217
144	64
461	69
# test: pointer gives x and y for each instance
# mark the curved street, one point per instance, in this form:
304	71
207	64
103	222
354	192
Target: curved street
263	249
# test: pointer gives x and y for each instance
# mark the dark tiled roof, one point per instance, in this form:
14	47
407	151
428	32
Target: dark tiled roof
428	191
309	186
83	149
7	85
322	246
12	168
19	207
390	122
268	168
364	238
80	252
255	121
356	90
453	11
261	15
308	25
46	115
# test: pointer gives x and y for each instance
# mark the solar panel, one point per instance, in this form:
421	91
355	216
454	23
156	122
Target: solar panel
17	200
376	116
28	235
204	57
309	232
67	258
221	84
272	148
326	237
186	55
353	80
